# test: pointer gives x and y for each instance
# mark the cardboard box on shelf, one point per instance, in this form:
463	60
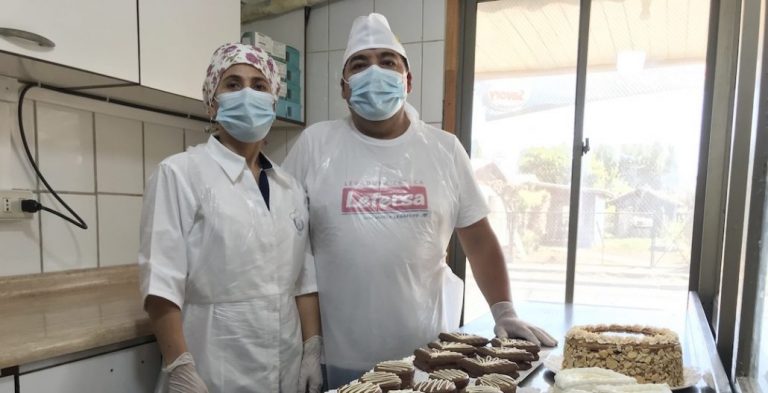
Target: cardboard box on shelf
282	69
258	39
278	50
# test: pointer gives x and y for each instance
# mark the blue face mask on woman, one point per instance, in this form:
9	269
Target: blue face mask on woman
246	114
377	94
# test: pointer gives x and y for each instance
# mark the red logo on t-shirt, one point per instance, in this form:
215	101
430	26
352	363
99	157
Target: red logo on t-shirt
383	199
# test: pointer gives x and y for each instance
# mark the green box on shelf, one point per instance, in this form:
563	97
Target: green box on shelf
292	57
289	110
292	76
293	94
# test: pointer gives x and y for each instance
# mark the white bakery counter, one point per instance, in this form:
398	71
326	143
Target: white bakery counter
699	350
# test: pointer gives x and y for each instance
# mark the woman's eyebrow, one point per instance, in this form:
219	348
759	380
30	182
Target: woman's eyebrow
233	76
259	79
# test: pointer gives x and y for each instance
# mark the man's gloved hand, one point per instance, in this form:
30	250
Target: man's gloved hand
509	325
183	377
310	374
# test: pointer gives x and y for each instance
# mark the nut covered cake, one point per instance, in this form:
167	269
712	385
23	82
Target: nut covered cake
650	355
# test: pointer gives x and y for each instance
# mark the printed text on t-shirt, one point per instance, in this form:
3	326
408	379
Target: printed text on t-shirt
367	200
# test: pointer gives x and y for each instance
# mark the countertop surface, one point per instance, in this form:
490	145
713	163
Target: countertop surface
690	324
46	316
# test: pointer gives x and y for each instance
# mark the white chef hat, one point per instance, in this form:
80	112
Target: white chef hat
372	31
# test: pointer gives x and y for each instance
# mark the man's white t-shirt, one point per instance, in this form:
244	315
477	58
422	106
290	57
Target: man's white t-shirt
381	216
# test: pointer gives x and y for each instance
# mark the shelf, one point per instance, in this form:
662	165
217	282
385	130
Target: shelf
101	87
167	102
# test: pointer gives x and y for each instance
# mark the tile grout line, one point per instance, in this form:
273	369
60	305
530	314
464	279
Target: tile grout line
86	193
422	24
96	188
143	159
328	68
421	71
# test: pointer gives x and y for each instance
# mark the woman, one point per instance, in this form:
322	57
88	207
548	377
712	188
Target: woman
226	273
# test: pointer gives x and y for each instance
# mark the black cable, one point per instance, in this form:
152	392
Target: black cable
79	223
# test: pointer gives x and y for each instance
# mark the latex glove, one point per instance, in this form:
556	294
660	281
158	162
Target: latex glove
310	374
508	324
183	377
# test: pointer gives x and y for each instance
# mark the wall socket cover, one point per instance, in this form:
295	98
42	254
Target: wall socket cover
10	205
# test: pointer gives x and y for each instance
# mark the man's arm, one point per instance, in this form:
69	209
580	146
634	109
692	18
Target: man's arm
487	261
484	253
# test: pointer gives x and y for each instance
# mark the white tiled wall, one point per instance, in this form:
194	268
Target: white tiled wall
159	142
65	246
340	17
20	247
317	81
405	18
65	141
337	107
119	218
420	26
118	149
275	145
415	65
194	136
13	172
433	27
97	156
432	81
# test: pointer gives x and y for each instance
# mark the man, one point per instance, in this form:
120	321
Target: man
386	191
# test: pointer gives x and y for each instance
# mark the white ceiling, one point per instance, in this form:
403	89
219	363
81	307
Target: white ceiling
540	36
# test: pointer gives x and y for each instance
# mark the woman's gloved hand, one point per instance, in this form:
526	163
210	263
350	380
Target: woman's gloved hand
509	325
183	377
310	374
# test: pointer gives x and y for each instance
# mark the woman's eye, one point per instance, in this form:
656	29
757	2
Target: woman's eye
233	85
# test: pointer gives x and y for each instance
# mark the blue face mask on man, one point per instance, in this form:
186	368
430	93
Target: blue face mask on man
246	114
377	93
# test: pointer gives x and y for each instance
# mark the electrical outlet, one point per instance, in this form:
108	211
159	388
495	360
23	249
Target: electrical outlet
10	205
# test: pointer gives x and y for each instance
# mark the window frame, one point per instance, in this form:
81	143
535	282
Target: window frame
734	39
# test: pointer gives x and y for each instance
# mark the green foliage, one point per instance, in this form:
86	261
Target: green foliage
618	169
551	164
530	199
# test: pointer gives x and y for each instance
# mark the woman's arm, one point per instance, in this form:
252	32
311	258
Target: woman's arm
309	314
167	326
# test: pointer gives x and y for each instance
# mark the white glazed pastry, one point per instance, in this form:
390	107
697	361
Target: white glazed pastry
639	388
573	379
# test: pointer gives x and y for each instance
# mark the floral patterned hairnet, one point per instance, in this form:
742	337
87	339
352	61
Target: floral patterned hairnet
230	54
